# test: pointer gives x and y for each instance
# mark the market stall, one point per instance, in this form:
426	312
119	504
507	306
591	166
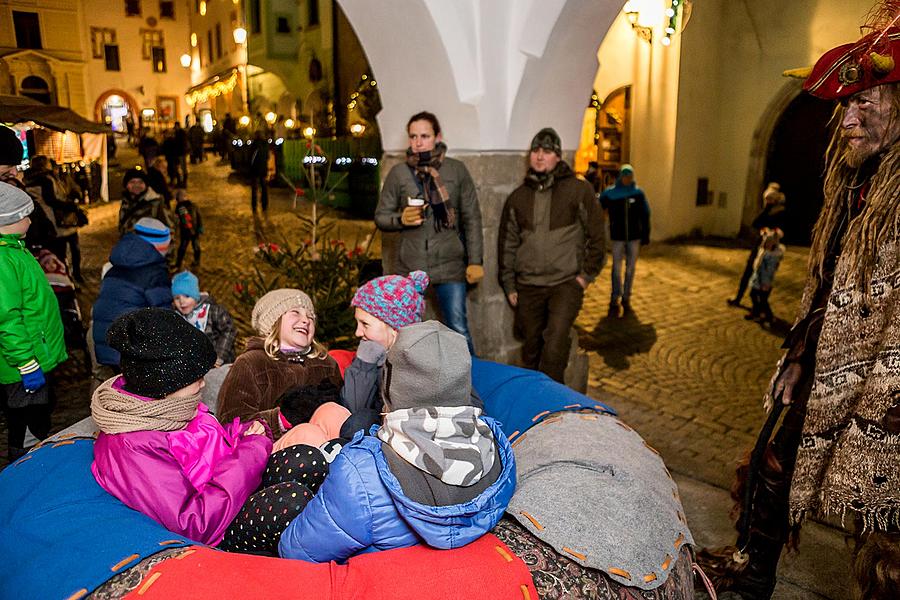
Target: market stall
63	135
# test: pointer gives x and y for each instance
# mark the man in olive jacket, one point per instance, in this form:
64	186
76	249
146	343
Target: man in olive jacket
430	199
551	248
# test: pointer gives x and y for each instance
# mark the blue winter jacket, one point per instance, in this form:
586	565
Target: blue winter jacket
138	279
362	508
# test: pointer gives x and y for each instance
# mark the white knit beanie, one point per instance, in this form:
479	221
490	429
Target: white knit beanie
270	307
15	204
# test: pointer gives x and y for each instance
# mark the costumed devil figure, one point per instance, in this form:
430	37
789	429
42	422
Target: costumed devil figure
837	448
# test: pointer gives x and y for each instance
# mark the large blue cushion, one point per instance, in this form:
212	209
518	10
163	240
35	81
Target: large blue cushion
61	533
521	398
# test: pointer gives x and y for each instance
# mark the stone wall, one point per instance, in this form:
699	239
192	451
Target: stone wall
496	175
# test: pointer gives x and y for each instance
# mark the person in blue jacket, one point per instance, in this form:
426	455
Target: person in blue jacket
138	278
435	472
628	212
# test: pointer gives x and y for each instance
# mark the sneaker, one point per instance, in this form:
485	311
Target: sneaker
734	302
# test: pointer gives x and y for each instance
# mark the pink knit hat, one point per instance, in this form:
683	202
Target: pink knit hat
396	300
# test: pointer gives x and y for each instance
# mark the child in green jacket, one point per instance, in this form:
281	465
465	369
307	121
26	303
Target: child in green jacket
31	331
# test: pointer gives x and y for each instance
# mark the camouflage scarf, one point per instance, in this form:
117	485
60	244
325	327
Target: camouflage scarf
425	167
449	442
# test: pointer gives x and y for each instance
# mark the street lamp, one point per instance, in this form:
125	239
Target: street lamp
240	38
186	60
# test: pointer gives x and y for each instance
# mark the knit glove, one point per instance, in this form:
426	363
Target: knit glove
371	352
474	274
32	376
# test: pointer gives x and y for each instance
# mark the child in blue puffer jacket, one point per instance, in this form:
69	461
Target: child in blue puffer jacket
436	470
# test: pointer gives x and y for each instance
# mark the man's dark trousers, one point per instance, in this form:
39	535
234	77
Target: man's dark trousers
544	318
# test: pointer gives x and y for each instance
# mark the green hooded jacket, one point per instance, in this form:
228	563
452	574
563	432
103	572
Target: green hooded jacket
30	325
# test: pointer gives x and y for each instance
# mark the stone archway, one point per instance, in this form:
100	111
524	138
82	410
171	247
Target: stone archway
493	72
759	148
129	100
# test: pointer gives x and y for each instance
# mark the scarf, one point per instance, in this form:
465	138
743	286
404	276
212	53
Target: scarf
115	410
424	166
199	316
544	181
451	443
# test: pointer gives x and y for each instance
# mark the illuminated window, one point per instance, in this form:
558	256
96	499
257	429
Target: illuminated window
159	59
150	38
101	37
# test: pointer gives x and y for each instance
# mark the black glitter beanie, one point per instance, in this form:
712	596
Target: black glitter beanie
160	351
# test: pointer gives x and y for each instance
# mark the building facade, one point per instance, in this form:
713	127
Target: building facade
296	59
39	55
105	59
133	50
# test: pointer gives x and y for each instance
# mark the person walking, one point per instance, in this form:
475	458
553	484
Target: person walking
551	248
431	201
197	138
190	228
259	171
628	212
771	217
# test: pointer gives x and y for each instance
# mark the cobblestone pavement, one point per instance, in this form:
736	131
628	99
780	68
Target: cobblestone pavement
690	371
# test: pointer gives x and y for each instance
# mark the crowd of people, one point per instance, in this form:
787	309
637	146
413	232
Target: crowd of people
302	456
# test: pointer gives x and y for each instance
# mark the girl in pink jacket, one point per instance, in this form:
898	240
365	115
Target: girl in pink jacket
161	453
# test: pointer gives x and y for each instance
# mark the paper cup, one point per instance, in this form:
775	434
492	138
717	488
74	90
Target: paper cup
417	202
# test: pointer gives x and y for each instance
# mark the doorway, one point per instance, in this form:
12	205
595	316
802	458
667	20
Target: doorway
115	111
796	160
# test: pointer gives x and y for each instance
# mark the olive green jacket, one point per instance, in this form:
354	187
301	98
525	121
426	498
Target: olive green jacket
444	254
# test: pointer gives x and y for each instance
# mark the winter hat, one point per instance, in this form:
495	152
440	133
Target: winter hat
626	169
135	173
15	204
773	193
398	301
428	365
153	231
270	307
548	139
186	284
11	150
160	351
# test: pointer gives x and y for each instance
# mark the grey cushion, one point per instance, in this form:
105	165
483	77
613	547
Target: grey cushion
589	486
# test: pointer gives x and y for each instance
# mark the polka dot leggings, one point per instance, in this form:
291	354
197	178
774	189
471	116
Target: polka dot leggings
291	478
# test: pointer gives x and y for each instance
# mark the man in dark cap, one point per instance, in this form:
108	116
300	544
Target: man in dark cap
551	248
836	451
139	200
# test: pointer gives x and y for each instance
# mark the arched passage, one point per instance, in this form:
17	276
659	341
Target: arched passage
796	160
129	102
494	72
